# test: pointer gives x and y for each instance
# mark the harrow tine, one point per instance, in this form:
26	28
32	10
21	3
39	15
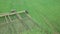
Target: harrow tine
6	19
9	18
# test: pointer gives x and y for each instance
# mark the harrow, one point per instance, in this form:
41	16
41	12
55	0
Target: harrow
17	22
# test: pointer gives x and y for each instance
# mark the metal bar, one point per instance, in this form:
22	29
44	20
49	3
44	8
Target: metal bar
1	15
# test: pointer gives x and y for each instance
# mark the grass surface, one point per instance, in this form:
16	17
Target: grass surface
45	12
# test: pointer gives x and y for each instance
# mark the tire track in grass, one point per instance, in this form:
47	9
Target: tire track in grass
45	19
35	20
38	13
48	23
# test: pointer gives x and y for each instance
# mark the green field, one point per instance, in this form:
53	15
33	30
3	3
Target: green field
45	12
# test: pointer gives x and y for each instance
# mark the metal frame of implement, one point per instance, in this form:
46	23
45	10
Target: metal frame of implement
20	18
